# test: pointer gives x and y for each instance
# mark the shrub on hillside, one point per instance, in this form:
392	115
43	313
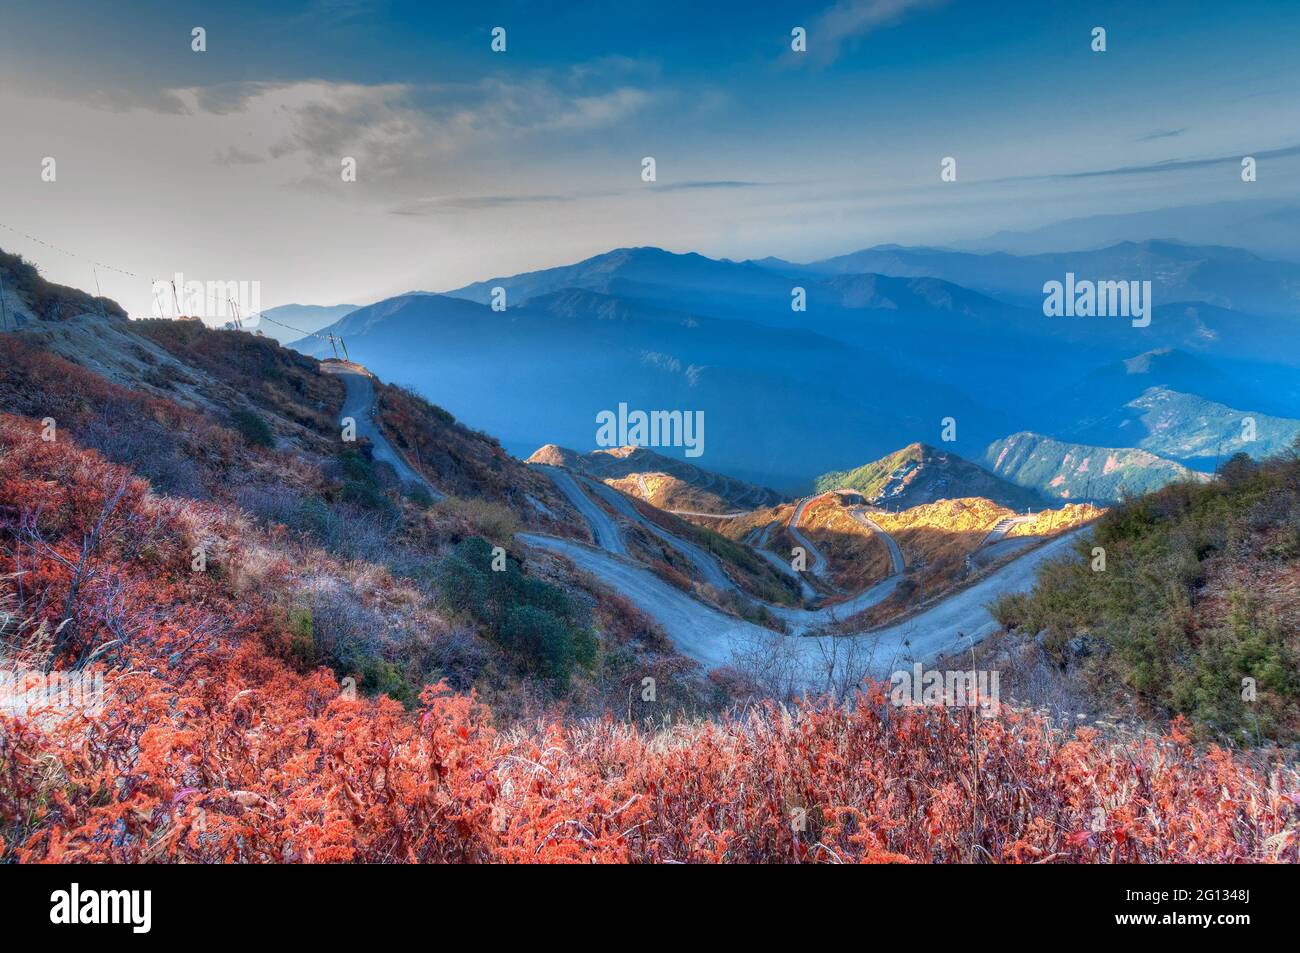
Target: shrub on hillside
1162	645
537	623
255	431
52	302
487	518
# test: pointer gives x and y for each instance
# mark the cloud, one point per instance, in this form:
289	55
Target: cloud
236	156
708	184
460	203
1175	165
849	19
463	203
1161	134
408	139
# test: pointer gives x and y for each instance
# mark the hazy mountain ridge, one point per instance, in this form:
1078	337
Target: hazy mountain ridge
289	322
1227	277
873	364
780	403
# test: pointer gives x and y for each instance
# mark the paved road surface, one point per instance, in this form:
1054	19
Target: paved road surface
712	516
759	546
698	631
963	617
359	404
603	529
820	567
713	639
705	563
895	554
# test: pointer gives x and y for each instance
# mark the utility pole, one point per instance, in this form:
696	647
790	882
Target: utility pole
345	350
99	294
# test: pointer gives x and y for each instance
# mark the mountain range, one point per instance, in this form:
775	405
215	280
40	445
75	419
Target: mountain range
893	346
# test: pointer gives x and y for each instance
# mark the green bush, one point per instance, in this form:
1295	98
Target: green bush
302	640
255	431
360	484
537	623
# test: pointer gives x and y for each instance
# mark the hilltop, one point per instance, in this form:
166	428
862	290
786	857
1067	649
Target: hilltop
919	474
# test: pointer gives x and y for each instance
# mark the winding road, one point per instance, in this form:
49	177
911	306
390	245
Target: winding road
895	554
820	567
603	529
359	404
714	639
708	635
704	562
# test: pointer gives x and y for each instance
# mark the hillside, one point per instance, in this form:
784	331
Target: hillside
920	474
1200	593
238	438
221	742
1070	471
1187	428
668	483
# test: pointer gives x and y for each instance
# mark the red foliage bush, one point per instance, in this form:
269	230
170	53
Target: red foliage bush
209	748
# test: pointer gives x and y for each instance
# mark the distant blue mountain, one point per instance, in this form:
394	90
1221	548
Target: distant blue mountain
289	322
1267	227
781	404
1228	278
875	362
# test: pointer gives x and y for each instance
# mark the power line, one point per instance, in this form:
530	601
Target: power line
209	298
53	247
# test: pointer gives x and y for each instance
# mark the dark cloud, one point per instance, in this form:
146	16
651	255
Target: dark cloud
1161	134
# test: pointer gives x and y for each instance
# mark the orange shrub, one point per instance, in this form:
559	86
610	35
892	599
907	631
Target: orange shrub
210	748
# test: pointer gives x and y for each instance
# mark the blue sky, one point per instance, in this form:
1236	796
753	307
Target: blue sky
473	163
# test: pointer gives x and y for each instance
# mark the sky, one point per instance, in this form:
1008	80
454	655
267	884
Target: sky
226	164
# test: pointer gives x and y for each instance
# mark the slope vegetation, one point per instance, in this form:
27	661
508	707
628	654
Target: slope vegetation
1196	608
1071	471
920	474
